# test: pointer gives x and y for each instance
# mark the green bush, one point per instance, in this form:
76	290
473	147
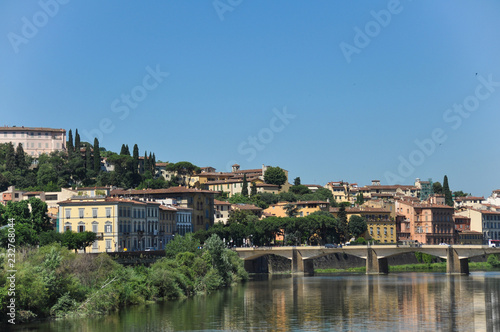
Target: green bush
493	261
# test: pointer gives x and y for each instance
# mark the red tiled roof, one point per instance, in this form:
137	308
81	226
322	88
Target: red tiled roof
217	202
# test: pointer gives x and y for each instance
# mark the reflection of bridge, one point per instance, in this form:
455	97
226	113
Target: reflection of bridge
376	256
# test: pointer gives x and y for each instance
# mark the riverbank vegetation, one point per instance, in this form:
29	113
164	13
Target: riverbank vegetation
53	281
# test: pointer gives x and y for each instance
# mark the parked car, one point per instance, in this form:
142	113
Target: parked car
330	245
150	249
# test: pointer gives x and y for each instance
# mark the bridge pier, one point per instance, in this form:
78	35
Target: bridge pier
376	265
455	264
299	264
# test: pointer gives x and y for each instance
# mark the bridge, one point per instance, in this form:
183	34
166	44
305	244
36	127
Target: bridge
376	256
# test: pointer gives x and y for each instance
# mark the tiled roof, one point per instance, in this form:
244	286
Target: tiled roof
171	190
242	206
217	202
6	128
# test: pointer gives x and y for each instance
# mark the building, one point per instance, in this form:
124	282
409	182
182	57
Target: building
462	223
428	223
168	223
121	224
201	202
468	201
470	237
221	211
34	140
232	182
303	209
381	226
12	195
484	221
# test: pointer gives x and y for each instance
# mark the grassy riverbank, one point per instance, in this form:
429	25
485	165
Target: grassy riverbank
52	282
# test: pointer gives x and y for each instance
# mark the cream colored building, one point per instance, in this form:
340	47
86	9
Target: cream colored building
34	140
119	223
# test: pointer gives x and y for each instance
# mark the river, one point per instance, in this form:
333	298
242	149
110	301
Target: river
357	302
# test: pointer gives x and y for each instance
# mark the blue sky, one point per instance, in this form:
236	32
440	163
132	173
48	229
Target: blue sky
329	90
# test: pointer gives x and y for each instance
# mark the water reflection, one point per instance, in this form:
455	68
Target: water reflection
395	302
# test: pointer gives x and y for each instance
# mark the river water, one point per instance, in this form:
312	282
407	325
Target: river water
358	302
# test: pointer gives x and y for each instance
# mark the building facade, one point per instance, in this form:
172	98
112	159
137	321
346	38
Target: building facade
428	223
120	224
34	140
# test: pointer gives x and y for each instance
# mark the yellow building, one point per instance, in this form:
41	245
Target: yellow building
119	223
303	208
380	226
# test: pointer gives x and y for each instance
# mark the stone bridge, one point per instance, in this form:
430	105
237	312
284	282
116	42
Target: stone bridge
376	256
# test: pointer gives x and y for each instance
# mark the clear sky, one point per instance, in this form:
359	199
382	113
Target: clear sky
329	90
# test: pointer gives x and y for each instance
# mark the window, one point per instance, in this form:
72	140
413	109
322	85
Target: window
46	145
81	213
95	245
67	226
107	228
108	212
94	212
94	226
68	213
81	227
108	244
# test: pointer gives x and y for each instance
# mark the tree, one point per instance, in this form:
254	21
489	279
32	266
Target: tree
360	199
89	162
70	145
10	157
244	189
437	188
342	225
135	155
275	175
300	190
357	226
448	198
97	156
253	190
291	209
124	150
296	181
459	193
20	157
77	143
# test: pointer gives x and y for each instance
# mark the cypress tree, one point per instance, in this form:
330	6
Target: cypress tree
77	143
448	198
20	157
10	158
253	190
135	155
123	150
97	156
70	145
89	165
244	189
153	164
146	162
